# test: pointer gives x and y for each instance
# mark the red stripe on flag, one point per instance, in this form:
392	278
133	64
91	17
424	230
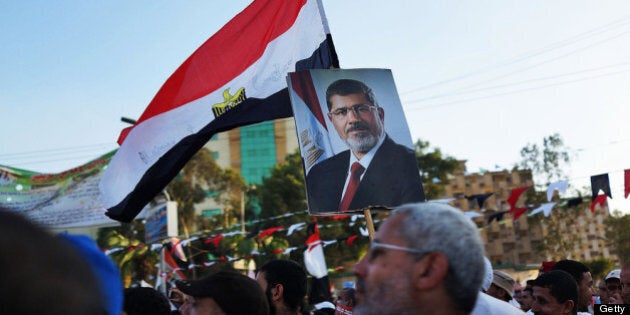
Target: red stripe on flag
225	55
302	84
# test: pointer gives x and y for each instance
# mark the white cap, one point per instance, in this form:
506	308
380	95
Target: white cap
324	304
615	274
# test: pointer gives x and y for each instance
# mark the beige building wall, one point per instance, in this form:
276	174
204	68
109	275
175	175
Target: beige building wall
514	243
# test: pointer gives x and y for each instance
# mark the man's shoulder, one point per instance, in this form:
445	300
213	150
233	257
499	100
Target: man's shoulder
488	305
390	145
334	161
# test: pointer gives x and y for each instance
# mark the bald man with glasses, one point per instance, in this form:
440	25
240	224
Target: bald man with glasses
426	258
375	171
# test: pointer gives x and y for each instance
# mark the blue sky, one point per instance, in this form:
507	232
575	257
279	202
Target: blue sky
479	79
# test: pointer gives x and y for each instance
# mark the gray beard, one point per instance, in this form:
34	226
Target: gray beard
362	145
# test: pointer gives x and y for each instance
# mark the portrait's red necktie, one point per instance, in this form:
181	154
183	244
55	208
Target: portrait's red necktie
355	177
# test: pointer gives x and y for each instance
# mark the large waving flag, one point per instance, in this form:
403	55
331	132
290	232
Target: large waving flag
236	78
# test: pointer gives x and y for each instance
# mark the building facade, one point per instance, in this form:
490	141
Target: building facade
252	151
514	244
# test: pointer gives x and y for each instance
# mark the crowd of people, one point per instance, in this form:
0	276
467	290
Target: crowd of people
425	258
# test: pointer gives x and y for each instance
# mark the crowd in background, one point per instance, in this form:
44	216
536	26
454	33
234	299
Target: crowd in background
426	258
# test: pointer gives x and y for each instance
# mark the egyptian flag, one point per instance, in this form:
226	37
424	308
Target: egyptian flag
315	263
236	78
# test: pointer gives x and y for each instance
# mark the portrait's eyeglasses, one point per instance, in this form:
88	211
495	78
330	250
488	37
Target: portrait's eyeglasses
613	287
375	246
358	109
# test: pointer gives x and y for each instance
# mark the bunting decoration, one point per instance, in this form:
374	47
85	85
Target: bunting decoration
496	216
561	186
600	182
269	231
599	200
295	227
626	176
214	240
545	208
514	195
351	239
574	202
517	212
480	198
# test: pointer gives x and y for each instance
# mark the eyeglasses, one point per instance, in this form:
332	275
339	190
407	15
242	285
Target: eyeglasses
613	287
375	245
358	109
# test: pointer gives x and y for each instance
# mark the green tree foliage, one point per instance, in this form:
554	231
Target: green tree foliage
202	177
283	191
546	162
560	238
618	234
600	267
135	261
435	168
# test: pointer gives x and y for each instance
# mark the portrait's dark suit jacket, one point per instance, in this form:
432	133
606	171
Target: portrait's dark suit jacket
391	179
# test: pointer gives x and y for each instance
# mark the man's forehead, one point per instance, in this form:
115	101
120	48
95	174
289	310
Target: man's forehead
541	292
358	98
389	228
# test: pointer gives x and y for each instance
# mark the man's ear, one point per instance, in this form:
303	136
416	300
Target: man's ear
277	292
429	271
568	307
381	113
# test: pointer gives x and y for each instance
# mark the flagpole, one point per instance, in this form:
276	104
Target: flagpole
370	223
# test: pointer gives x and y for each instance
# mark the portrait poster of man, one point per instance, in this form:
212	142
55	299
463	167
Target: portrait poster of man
354	140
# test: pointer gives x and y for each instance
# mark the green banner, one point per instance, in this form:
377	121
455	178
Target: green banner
67	199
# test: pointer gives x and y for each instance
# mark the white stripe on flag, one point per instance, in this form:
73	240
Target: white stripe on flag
152	138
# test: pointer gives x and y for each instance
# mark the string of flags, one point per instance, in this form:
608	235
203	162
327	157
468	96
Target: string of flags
599	183
174	247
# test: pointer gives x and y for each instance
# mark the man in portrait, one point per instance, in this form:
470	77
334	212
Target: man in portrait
375	170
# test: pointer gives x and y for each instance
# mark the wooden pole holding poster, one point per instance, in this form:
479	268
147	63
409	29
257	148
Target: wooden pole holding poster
370	223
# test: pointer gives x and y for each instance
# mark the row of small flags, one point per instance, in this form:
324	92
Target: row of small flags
599	183
174	247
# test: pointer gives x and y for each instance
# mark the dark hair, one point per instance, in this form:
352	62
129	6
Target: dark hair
575	268
145	301
42	274
291	276
561	285
348	86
